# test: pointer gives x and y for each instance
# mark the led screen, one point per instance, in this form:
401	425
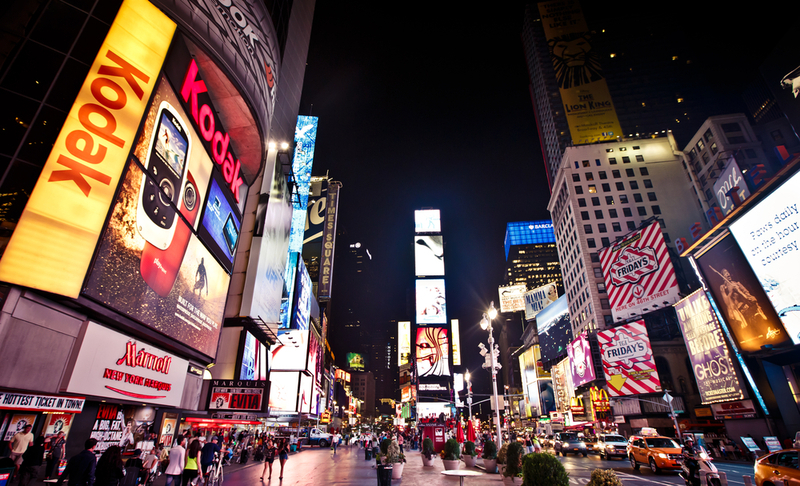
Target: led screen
305	394
432	354
427	221
284	390
555	332
580	358
429	255
512	298
302	307
221	222
767	235
355	361
403	343
291	351
431	303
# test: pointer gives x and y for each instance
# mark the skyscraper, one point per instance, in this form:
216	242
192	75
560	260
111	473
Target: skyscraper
531	255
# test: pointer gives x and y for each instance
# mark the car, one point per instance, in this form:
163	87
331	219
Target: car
565	442
591	443
781	465
612	445
658	452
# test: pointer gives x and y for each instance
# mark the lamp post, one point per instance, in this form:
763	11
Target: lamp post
486	325
469	394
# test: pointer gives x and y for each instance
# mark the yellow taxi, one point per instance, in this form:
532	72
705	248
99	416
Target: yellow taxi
657	452
778	466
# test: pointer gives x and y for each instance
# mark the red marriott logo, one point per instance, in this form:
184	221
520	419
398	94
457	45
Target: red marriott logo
144	359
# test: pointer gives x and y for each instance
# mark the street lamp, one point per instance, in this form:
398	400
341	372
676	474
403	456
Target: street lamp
469	394
493	365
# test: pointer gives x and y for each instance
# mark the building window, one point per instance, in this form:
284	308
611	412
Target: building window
776	135
601	287
648	184
606	187
626	160
598	214
594	257
576	177
585	216
610	200
700	145
587	228
709	195
708	135
692	155
597	162
576	165
603	175
590	242
651	196
631	225
637	197
620	186
586	163
634	185
612	213
615	173
612	161
605	242
592	189
640	158
623	198
629	173
644	171
601	228
642	210
656	209
581	202
616	227
731	127
706	157
589	176
578	189
598	272
595	201
714	148
737	139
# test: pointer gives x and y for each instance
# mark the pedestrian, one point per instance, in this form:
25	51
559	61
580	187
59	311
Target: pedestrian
191	470
109	468
177	460
133	469
151	463
81	467
57	446
208	452
18	445
31	461
335	442
269	457
283	454
537	446
400	442
723	451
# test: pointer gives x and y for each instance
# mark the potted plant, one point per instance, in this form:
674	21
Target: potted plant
513	464
396	458
469	454
427	452
542	469
489	457
452	454
604	477
501	458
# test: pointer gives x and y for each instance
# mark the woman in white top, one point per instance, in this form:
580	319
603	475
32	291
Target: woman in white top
177	461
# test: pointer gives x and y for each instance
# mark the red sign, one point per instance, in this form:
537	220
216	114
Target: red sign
628	360
144	359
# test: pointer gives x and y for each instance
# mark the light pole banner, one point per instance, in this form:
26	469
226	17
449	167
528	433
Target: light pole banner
712	365
628	361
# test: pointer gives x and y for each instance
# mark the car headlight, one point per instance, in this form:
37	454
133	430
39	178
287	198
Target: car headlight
662	455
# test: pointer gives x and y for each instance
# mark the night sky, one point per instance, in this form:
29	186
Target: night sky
427	106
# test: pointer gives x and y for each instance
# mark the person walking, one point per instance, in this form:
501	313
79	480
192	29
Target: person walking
283	454
208	452
18	445
269	457
528	444
31	461
191	470
109	468
400	441
57	446
81	467
177	461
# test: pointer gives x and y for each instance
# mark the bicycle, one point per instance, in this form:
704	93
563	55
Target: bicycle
214	475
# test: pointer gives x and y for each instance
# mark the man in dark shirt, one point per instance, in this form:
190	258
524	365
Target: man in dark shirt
80	468
207	453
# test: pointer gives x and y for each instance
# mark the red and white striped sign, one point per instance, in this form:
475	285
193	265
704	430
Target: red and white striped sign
628	360
638	273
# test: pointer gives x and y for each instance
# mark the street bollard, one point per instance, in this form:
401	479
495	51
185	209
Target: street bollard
723	478
748	481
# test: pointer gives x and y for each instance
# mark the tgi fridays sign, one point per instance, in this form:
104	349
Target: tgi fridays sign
638	273
41	403
110	364
628	360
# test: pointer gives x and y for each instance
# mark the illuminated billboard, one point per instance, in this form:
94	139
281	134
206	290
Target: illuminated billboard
403	343
539	298
427	221
55	238
730	177
584	93
290	352
512	298
562	384
555	332
253	359
356	361
580	359
456	342
628	362
429	255
766	236
303	295
284	391
638	273
432	352
431	302
740	297
305	137
714	371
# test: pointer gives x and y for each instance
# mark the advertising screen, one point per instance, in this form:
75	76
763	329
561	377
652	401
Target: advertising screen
456	342
539	298
431	303
740	297
432	352
562	384
628	360
555	332
427	221
731	177
429	255
580	358
403	343
714	371
254	359
638	273
305	137
221	222
512	298
306	392
301	311
355	361
284	390
239	395
768	239
290	353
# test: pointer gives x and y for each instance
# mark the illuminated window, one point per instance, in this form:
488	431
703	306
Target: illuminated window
592	189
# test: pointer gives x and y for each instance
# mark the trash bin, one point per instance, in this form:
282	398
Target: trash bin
6	472
367	454
384	475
